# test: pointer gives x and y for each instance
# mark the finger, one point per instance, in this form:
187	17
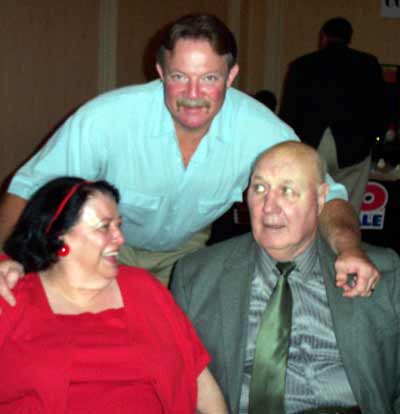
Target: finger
371	280
362	290
373	283
341	278
12	278
5	292
357	287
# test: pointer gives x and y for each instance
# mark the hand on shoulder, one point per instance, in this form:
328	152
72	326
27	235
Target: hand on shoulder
10	273
355	273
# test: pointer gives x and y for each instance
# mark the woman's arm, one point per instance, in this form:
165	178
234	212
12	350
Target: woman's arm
209	396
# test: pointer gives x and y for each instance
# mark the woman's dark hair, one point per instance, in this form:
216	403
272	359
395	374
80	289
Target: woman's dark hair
35	239
200	27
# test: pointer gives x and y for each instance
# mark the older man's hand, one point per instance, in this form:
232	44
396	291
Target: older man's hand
10	273
355	273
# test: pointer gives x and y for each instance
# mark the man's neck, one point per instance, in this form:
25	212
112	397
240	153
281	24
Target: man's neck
188	141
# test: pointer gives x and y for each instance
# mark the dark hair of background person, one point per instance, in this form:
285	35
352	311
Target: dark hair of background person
200	27
267	98
338	29
28	243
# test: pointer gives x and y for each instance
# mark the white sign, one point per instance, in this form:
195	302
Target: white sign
390	8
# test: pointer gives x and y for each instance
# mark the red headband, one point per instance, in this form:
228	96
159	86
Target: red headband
64	201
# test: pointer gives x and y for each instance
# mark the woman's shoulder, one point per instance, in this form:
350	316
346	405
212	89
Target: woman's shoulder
138	277
22	292
142	284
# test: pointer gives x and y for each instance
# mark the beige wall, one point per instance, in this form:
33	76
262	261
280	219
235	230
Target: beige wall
138	25
48	66
274	32
303	19
57	54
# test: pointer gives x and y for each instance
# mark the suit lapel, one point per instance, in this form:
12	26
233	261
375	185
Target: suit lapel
344	320
234	294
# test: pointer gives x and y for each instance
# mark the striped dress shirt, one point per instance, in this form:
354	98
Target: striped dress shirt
315	374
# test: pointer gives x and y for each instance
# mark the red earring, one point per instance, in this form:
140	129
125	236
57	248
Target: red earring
63	251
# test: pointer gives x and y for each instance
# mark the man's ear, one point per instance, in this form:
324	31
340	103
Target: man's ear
232	75
160	71
323	190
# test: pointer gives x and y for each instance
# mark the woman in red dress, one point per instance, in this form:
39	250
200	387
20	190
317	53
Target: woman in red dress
87	335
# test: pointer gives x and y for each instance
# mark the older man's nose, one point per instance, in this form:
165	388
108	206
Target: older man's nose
271	203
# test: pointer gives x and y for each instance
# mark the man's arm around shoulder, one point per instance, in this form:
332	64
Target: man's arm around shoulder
339	226
11	207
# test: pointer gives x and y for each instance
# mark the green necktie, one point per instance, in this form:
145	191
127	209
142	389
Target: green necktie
267	387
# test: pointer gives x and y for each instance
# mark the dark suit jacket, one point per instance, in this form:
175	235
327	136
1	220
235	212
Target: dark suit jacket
213	285
340	88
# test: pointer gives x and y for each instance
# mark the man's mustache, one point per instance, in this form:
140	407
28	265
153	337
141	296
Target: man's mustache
193	103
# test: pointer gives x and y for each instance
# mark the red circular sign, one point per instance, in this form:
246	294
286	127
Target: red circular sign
375	197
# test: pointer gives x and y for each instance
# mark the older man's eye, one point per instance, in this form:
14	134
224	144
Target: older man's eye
288	191
259	188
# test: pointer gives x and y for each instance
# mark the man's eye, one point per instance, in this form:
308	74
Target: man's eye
288	191
211	78
177	77
259	188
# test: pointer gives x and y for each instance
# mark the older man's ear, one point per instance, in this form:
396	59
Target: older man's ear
323	191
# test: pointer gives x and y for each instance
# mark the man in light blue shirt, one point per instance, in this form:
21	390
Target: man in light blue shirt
179	149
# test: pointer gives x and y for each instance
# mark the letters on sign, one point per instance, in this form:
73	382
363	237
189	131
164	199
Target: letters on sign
372	215
390	8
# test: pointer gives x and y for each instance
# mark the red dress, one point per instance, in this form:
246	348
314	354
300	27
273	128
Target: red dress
144	358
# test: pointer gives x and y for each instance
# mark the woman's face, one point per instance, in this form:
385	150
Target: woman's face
96	238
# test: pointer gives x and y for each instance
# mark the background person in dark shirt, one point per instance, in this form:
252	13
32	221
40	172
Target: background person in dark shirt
334	100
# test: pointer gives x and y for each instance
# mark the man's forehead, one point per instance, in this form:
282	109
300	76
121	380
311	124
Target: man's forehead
189	45
286	170
271	163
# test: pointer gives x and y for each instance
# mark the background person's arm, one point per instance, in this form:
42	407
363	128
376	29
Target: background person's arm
340	228
209	396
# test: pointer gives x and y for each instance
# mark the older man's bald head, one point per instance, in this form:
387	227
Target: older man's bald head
286	195
299	152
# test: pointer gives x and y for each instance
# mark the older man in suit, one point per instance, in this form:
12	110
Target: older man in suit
341	355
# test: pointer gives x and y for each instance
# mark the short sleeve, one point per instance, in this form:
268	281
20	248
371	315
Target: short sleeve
74	150
336	190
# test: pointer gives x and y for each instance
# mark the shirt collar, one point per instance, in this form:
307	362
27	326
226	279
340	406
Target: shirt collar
305	262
